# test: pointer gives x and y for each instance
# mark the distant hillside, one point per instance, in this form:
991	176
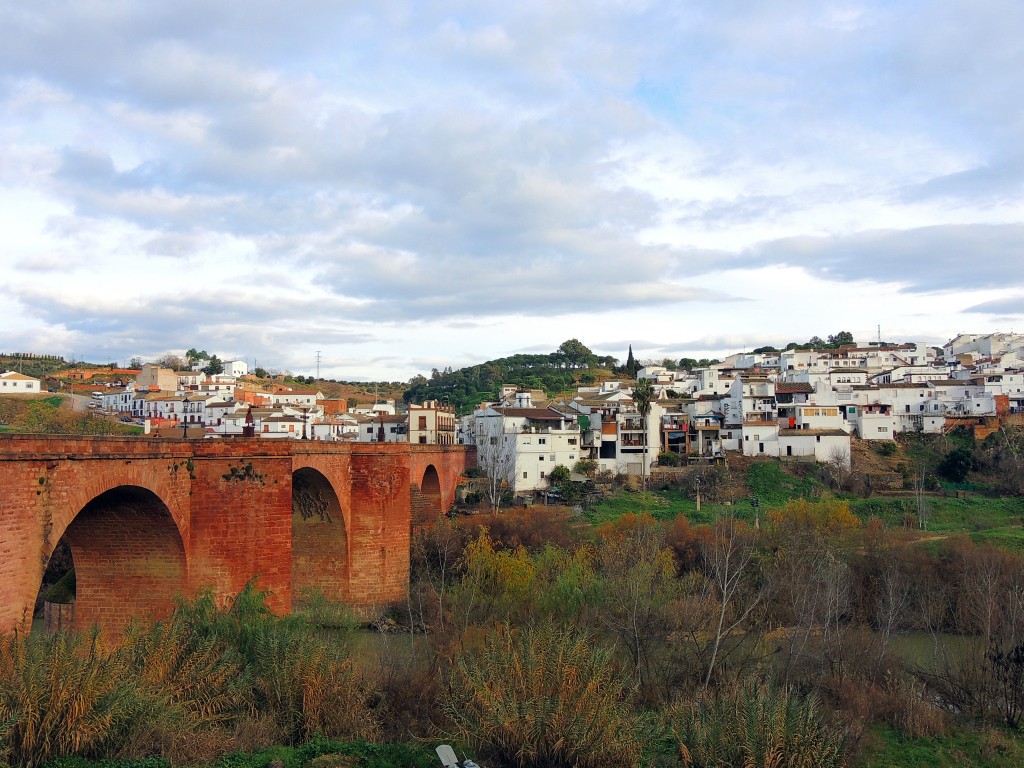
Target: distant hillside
37	366
556	373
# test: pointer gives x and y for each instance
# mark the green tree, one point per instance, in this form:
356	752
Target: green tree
843	337
631	365
957	463
576	354
214	367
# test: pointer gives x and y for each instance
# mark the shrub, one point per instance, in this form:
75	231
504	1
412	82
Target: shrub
756	726
956	465
542	696
60	695
885	448
586	467
668	459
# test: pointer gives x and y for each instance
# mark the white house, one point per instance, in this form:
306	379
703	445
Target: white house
824	445
12	383
521	445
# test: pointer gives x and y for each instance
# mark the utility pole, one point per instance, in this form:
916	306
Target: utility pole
318	365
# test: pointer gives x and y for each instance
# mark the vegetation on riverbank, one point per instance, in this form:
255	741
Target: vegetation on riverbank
819	628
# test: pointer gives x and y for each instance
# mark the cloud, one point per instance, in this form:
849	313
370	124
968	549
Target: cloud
330	172
1010	306
934	258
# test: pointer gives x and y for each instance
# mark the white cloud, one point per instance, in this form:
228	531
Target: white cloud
424	182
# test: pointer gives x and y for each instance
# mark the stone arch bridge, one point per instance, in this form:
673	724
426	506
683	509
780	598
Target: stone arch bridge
148	520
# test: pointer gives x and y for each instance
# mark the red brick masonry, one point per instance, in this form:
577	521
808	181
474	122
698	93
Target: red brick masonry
149	520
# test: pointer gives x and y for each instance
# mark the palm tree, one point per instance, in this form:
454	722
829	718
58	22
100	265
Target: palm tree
643	396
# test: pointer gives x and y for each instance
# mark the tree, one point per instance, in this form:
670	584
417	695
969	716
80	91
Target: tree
173	362
576	354
957	463
638	584
135	363
260	373
643	398
843	337
631	364
194	355
838	466
496	456
728	565
214	367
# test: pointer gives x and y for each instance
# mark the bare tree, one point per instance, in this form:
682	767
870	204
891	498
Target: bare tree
728	566
496	456
839	468
921	506
638	583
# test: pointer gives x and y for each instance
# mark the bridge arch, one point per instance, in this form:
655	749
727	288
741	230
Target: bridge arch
426	497
129	558
320	538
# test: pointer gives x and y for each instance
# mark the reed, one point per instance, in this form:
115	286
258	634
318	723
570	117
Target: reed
758	725
544	695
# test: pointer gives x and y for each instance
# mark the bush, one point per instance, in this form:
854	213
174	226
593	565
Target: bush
542	696
885	448
668	459
586	467
757	725
61	696
956	465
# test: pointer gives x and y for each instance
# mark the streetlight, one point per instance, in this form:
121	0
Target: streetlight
304	412
184	416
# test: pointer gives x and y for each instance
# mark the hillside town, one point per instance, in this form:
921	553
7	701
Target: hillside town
797	404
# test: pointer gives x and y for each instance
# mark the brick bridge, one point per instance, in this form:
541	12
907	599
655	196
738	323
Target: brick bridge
148	520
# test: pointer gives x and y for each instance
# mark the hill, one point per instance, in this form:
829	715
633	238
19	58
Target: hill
558	372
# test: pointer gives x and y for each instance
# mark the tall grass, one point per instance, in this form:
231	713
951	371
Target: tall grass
204	681
755	726
542	696
59	695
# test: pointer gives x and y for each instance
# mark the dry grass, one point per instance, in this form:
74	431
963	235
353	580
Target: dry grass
542	697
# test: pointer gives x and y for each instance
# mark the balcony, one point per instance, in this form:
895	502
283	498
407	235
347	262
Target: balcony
760	417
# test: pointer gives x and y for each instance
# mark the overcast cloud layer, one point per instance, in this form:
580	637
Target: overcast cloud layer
411	185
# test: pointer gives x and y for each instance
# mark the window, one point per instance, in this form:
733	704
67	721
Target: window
423	422
572	441
540	458
541	475
423	439
494	441
524	475
883	429
542	441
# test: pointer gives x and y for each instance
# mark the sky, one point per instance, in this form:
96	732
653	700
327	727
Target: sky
399	186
